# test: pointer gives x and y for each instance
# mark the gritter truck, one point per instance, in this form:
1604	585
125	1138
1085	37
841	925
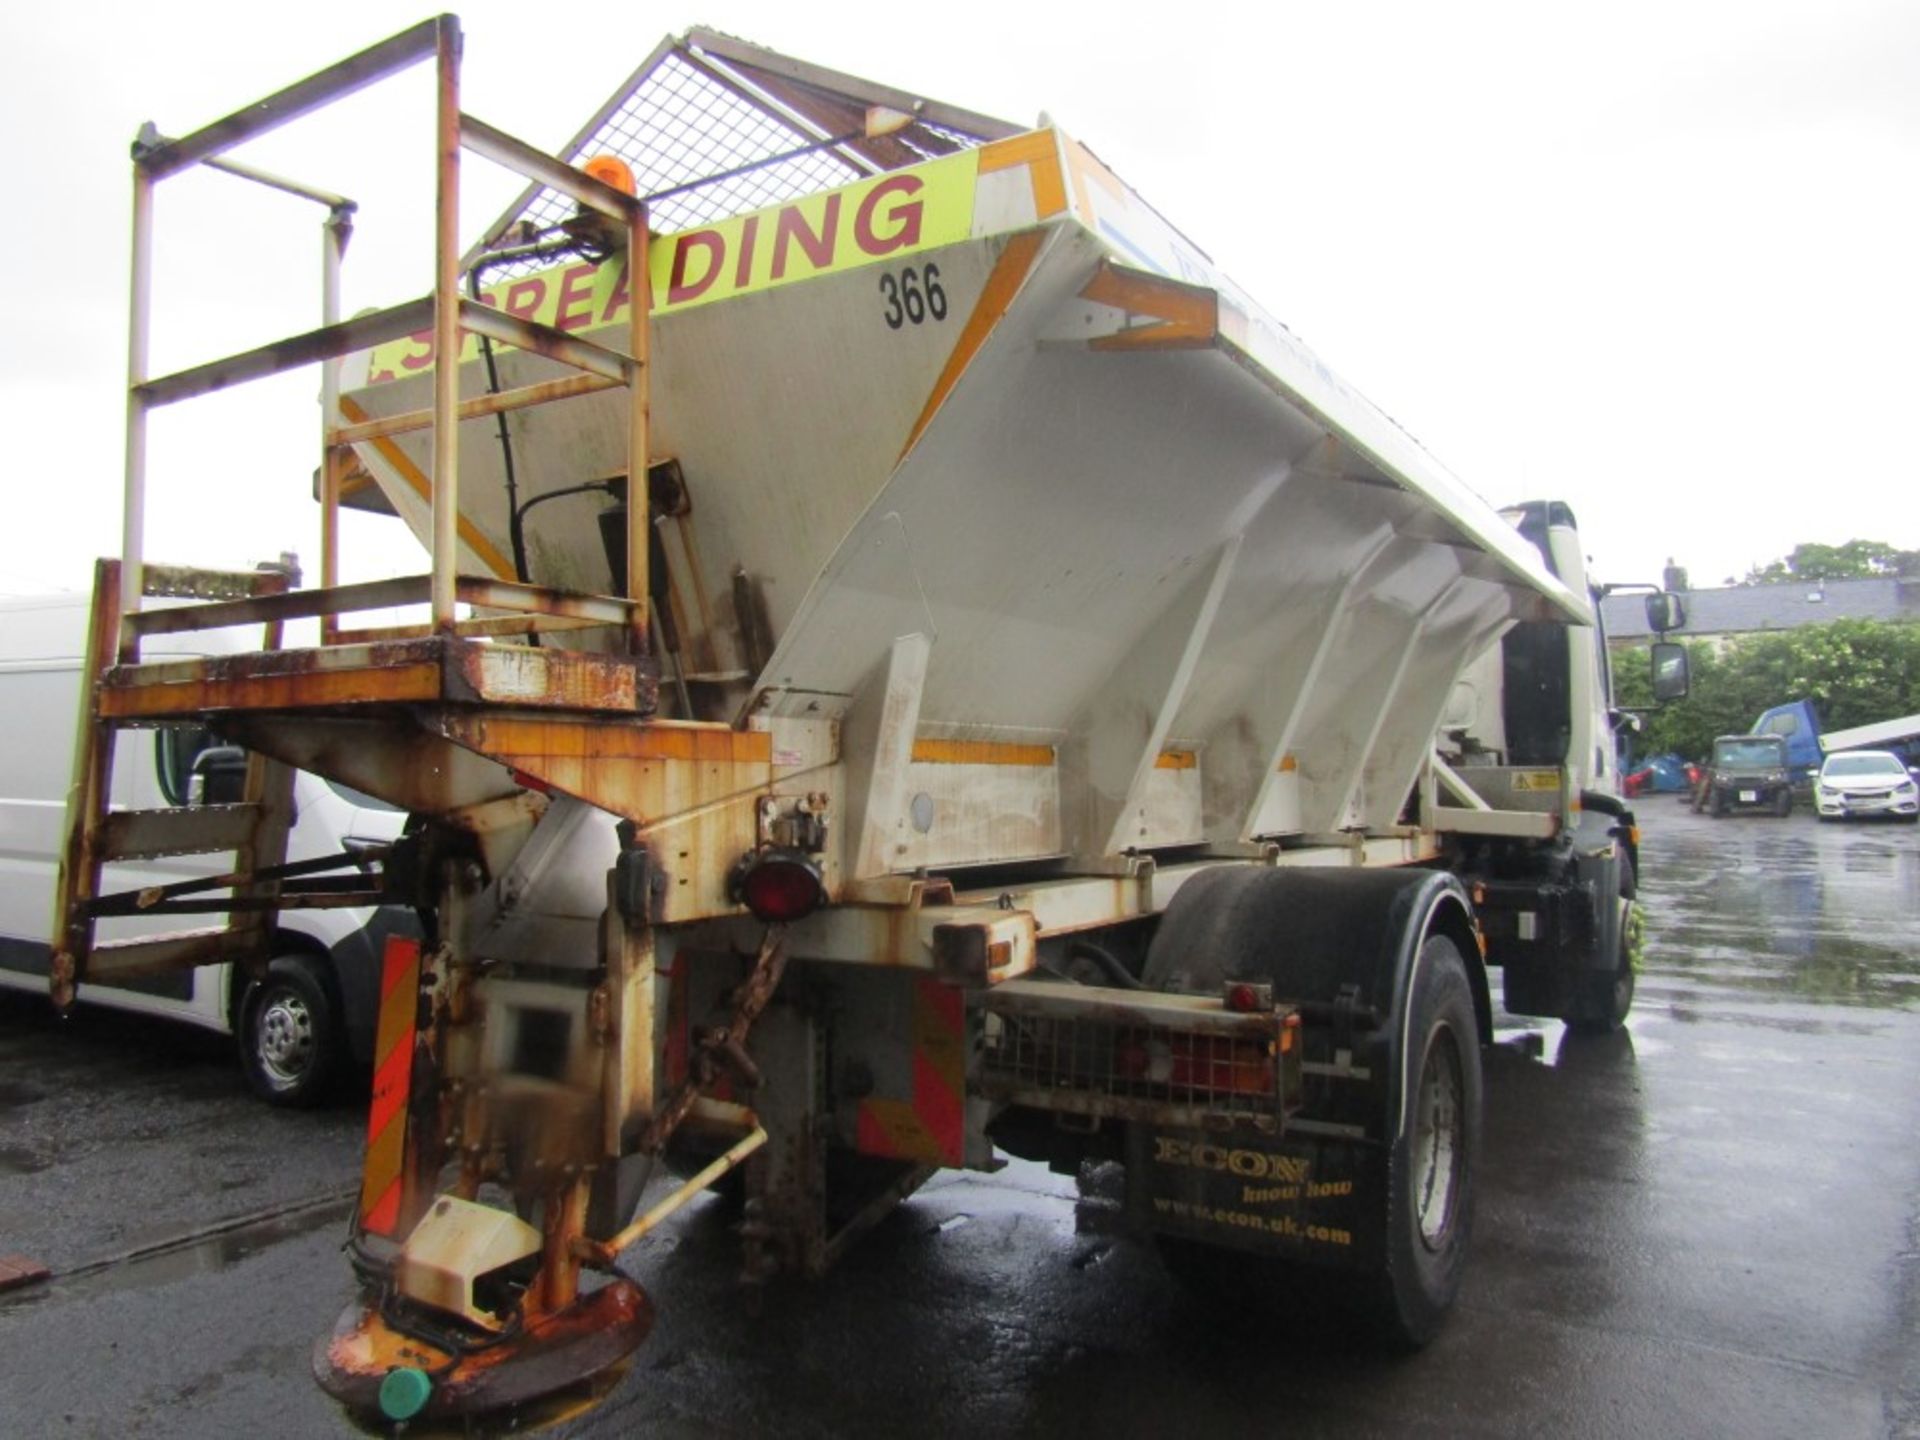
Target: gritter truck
912	665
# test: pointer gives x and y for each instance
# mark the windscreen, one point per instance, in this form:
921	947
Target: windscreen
1748	752
1842	765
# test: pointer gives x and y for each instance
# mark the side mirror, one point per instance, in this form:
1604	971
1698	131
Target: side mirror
1670	679
219	776
1665	612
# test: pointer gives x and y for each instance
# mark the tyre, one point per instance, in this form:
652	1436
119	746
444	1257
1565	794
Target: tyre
1430	1167
1719	807
290	1035
1783	806
1602	999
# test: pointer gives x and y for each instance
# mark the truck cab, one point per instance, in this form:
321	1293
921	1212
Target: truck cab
1798	725
1531	728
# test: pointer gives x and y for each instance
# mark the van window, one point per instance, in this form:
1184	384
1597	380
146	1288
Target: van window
175	748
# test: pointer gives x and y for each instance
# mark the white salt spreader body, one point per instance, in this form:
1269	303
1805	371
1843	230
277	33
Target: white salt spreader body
1051	712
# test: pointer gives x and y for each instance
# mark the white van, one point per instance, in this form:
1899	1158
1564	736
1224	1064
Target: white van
315	1009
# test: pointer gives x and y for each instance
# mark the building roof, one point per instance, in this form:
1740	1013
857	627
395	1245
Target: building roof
1747	609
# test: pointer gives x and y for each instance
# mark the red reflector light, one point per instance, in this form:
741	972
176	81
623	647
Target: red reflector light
782	885
1233	1067
1243	998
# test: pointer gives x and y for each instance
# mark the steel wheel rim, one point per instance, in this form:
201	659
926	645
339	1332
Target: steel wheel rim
285	1030
1438	1140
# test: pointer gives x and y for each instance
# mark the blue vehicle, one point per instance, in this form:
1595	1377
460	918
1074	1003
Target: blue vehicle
1798	723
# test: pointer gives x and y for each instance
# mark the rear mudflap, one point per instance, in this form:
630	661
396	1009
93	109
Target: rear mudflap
1308	1198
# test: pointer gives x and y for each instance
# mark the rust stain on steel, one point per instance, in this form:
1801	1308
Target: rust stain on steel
82	855
512	675
17	1271
692	787
287	691
550	1353
562	737
540	599
723	1046
429	668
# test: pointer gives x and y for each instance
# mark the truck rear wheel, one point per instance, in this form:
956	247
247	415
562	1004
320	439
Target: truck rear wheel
1430	1167
1371	1206
1402	1298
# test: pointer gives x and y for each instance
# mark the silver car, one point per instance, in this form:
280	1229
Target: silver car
1865	782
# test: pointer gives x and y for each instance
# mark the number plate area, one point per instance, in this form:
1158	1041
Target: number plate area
1748	797
1183	1060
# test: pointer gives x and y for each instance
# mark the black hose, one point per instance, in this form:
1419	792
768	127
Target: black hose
1107	961
514	533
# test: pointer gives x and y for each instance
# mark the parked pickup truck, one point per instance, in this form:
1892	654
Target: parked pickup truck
1748	772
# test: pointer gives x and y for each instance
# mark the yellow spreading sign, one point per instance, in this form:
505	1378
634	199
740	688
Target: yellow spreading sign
860	224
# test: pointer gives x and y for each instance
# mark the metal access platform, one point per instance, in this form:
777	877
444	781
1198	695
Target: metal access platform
469	719
391	689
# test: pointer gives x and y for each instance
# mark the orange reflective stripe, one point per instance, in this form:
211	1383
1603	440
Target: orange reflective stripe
1009	273
1039	151
384	1170
940	1068
980	752
1189	315
893	1128
932	1126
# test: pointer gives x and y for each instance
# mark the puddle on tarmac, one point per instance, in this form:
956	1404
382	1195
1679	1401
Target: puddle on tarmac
1824	917
23	1160
188	1258
1552	1044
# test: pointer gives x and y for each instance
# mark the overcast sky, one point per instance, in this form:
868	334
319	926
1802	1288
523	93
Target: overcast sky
1656	260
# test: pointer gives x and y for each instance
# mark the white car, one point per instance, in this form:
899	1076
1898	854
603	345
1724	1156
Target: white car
1865	782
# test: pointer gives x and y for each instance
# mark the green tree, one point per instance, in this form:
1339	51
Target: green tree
1854	671
1855	560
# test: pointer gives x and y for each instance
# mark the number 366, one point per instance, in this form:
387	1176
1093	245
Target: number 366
913	295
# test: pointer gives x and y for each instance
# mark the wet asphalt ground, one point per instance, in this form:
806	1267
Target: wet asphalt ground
1708	1225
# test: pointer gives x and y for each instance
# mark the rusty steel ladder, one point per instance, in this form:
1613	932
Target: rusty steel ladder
254	829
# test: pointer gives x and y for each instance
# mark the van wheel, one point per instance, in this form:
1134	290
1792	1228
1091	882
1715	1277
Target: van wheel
290	1036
